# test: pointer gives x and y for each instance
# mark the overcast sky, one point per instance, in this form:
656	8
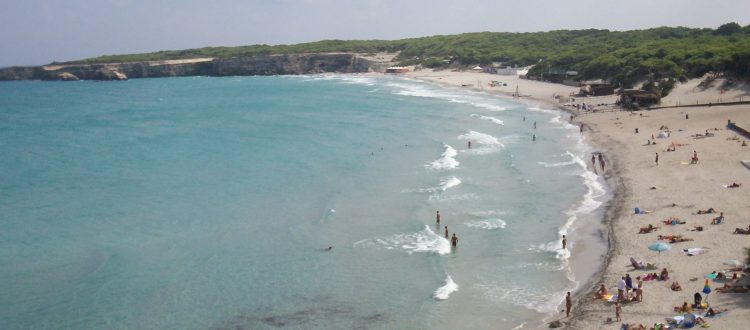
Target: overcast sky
42	31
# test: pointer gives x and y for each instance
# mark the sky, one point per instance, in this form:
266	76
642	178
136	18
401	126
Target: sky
34	32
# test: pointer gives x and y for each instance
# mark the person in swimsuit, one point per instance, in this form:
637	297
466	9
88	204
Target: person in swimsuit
437	217
454	240
564	242
446	232
568	304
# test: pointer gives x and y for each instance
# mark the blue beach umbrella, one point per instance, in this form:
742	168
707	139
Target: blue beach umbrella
706	289
659	246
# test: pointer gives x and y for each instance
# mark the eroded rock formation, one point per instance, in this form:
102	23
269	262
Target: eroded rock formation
237	66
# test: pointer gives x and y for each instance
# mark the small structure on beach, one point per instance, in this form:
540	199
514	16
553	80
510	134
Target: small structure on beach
636	98
599	89
397	69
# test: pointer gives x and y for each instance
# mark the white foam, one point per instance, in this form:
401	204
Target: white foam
488	118
454	96
520	326
451	198
489	213
445	291
489	224
534	296
424	241
445	184
487	143
449	182
589	203
480	138
446	161
572	161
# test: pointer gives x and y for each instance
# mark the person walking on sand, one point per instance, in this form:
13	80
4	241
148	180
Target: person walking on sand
446	232
564	242
437	217
618	311
454	240
568	304
621	289
657	159
639	290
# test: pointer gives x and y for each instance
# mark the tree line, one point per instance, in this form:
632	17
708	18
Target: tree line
663	54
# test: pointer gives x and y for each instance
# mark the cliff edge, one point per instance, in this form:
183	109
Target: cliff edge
263	65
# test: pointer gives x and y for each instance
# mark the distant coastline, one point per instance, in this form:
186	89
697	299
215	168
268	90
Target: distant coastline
261	65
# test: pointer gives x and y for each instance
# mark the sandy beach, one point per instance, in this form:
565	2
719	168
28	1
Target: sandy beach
674	189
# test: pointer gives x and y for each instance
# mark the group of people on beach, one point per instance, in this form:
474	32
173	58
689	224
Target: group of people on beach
596	156
453	239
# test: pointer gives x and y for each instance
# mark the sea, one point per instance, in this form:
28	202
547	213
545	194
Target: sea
293	202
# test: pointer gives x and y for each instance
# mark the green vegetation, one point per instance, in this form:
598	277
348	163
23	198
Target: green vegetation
663	55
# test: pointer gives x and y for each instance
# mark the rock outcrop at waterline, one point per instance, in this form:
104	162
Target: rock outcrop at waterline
238	66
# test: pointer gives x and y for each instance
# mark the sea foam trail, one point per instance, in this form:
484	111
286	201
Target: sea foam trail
572	161
446	161
463	97
488	118
445	184
489	224
594	190
424	241
487	143
445	291
481	138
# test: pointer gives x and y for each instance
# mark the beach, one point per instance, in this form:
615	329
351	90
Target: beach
675	189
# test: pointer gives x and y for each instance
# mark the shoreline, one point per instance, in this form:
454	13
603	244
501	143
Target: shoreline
672	189
585	276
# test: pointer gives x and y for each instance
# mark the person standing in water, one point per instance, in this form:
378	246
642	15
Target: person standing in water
601	161
533	138
454	240
564	242
534	125
446	232
593	162
469	144
437	217
568	304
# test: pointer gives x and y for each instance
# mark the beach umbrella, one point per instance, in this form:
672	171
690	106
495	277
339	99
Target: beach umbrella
659	246
706	289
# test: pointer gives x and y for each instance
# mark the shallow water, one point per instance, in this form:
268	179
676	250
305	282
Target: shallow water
210	203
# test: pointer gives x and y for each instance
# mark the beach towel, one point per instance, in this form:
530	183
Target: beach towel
612	297
711	276
694	251
608	297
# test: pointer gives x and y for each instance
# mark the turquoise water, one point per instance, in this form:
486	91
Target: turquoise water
193	203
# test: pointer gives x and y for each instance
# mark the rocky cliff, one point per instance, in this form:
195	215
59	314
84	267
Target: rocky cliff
239	66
